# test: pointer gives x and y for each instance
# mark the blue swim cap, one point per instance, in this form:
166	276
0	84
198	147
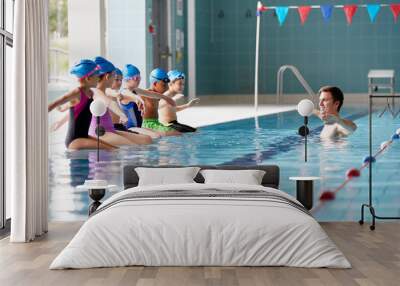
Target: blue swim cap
130	71
118	71
175	74
105	65
158	75
85	68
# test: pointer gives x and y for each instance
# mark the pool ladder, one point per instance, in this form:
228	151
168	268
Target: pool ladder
297	74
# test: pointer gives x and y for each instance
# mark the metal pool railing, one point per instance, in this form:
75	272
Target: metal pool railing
297	74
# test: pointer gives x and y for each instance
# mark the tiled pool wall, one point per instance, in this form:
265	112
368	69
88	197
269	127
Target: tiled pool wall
332	53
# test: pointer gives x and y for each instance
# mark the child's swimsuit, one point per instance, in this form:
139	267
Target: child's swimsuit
105	121
181	127
122	127
132	111
154	124
79	119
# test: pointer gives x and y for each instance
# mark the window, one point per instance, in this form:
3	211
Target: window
6	43
9	19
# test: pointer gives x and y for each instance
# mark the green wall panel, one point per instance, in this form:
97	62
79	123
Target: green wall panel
325	53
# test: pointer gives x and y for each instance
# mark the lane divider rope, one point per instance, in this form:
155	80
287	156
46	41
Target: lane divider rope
329	195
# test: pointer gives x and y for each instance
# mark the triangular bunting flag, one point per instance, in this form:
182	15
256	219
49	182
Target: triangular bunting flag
281	12
395	10
303	12
326	12
349	10
373	10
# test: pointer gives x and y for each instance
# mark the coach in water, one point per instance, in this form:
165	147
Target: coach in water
330	102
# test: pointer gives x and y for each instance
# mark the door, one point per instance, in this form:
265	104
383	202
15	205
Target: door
161	49
2	193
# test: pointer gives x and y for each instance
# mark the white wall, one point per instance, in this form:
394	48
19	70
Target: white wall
126	34
86	29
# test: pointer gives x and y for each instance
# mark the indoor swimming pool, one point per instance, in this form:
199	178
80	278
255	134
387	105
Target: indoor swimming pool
240	143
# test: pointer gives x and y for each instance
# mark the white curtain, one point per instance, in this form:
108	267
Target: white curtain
26	120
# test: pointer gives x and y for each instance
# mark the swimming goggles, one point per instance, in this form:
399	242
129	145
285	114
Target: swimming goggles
165	79
181	75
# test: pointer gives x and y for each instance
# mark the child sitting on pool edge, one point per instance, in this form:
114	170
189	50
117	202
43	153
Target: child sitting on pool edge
159	83
168	112
114	94
78	101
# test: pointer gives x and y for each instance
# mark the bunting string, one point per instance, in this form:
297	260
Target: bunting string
333	6
349	11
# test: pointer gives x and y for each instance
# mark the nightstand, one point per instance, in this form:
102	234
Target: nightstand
304	190
97	190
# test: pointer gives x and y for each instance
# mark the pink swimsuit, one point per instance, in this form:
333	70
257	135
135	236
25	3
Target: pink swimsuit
105	121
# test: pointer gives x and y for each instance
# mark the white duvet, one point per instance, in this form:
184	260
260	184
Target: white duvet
200	231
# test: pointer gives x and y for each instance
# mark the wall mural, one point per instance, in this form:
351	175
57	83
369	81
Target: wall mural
103	117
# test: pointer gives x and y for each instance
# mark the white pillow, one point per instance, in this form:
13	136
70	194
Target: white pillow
166	176
248	177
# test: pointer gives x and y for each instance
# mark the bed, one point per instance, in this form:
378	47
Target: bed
197	224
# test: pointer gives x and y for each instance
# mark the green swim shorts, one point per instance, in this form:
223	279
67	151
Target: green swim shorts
154	124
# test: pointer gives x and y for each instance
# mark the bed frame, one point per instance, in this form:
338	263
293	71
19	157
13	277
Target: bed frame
270	179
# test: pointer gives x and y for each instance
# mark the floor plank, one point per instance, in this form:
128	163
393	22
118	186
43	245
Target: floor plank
374	255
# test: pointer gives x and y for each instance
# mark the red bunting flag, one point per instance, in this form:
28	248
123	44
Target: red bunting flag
395	10
349	10
303	13
261	7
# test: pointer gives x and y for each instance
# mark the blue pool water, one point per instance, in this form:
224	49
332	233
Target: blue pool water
241	143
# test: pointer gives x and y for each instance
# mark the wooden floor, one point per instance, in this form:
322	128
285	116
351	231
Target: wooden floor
375	257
